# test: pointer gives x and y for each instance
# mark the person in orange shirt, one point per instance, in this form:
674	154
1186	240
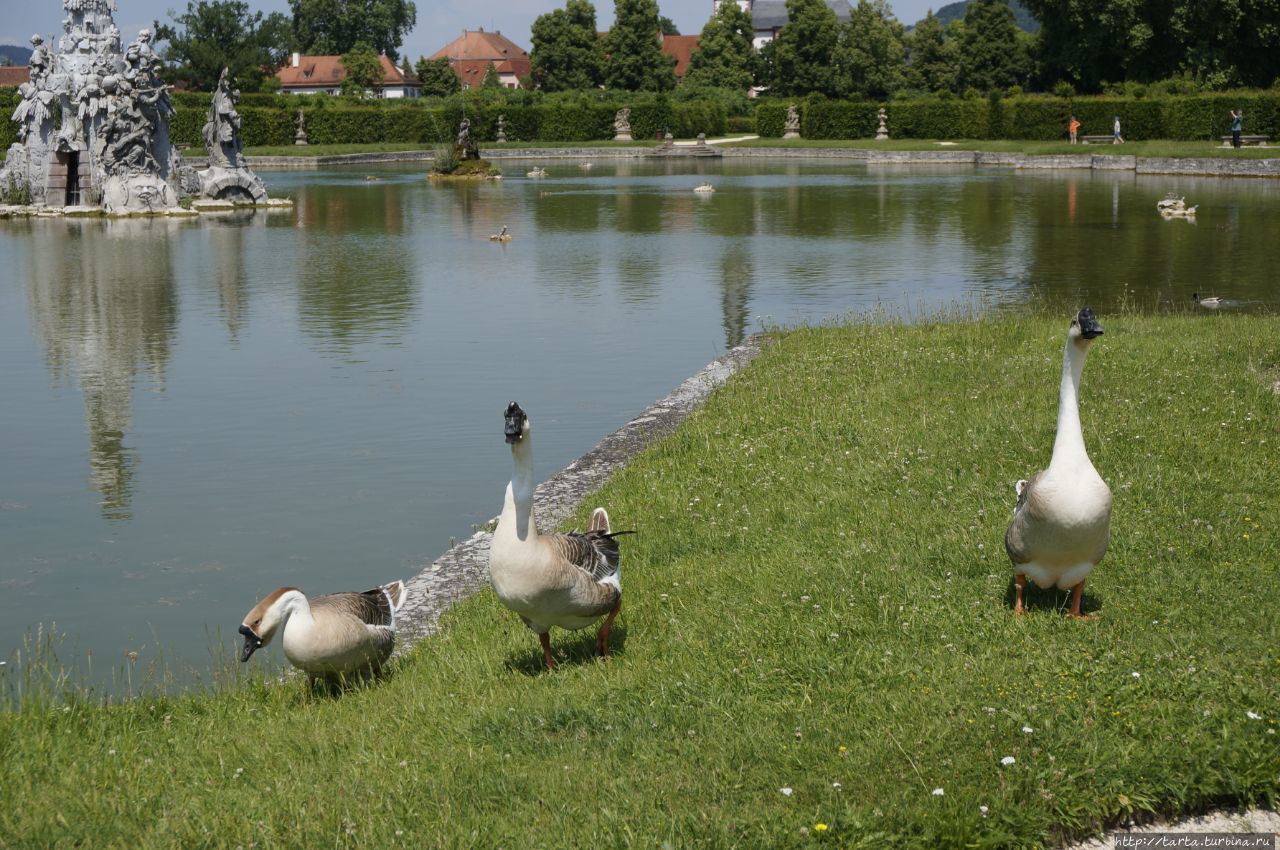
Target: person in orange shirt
1073	127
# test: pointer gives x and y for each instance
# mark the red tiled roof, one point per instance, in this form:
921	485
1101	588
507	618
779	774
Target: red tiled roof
681	47
327	72
470	54
14	75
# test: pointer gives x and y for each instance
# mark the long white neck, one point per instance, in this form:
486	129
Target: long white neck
1068	446
296	614
517	509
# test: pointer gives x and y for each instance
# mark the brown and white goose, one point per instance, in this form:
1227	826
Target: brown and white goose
339	634
1062	520
566	580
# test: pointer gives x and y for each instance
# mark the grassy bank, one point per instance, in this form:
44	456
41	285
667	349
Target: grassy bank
817	600
1155	148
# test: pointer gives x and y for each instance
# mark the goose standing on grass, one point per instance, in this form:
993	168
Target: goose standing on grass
566	580
340	634
1061	523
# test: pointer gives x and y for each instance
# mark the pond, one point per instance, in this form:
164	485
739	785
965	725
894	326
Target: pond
197	412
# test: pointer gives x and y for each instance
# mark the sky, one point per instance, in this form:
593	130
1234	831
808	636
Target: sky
439	21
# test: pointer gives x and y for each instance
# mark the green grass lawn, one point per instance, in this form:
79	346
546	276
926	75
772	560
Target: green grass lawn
1154	147
817	599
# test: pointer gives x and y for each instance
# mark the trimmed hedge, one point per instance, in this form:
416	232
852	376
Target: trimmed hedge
1039	118
9	99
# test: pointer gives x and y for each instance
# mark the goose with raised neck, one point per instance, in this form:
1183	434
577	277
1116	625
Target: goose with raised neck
335	635
1062	519
566	580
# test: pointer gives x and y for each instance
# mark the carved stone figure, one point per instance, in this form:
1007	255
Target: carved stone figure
300	137
222	130
882	132
792	125
465	146
622	125
38	64
502	130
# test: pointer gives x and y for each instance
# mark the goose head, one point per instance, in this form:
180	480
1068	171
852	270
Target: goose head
261	624
515	424
1085	328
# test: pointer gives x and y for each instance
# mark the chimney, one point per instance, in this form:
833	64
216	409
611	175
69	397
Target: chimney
296	59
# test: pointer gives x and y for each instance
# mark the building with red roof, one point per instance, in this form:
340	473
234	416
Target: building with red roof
470	54
324	75
681	47
14	75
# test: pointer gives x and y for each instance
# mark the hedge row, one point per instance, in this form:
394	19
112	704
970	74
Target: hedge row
9	99
1196	117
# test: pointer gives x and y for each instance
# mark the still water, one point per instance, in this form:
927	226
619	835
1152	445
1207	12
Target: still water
194	413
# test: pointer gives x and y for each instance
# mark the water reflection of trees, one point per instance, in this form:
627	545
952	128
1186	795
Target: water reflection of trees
737	273
356	280
106	306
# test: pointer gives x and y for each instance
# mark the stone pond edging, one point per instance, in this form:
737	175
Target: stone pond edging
464	569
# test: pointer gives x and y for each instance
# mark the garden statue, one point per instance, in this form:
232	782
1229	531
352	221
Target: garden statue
228	176
622	125
792	125
300	137
882	132
502	131
465	146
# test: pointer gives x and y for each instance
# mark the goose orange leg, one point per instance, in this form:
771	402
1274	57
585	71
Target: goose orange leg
602	636
1076	593
1020	583
545	640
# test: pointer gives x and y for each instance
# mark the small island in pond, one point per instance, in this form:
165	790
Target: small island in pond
462	160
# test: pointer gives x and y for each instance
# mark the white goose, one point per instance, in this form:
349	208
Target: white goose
537	172
705	187
1061	523
336	635
1213	302
566	580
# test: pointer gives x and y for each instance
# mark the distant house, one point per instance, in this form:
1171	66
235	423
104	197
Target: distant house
470	54
324	75
681	47
13	75
768	17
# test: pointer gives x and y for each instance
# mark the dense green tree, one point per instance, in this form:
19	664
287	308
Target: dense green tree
327	27
666	26
933	58
437	77
566	51
215	34
992	55
363	70
491	79
634	60
872	60
1229	42
804	55
725	57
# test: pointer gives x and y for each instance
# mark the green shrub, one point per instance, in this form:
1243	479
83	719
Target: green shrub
771	118
961	118
838	119
9	98
740	124
699	116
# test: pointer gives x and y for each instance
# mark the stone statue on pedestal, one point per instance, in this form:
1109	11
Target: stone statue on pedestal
792	125
622	125
300	137
502	130
882	132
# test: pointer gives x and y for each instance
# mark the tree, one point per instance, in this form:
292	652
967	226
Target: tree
436	77
992	56
666	26
364	70
215	34
566	48
491	79
635	61
725	57
805	52
873	60
933	59
335	26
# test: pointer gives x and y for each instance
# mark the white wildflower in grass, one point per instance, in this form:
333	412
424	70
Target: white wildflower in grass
984	810
1008	760
938	792
1248	714
786	792
1027	730
836	785
239	770
1135	674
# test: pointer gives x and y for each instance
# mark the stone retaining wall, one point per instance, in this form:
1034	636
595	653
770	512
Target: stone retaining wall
464	569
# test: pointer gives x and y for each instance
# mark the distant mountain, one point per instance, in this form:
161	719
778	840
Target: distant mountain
955	12
16	55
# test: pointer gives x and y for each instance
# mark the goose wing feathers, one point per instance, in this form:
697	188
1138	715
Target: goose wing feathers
372	606
1014	537
593	552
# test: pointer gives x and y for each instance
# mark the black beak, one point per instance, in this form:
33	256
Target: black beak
252	643
513	423
1089	326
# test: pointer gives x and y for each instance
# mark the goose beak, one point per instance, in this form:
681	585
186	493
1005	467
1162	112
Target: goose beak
513	423
1090	328
251	643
